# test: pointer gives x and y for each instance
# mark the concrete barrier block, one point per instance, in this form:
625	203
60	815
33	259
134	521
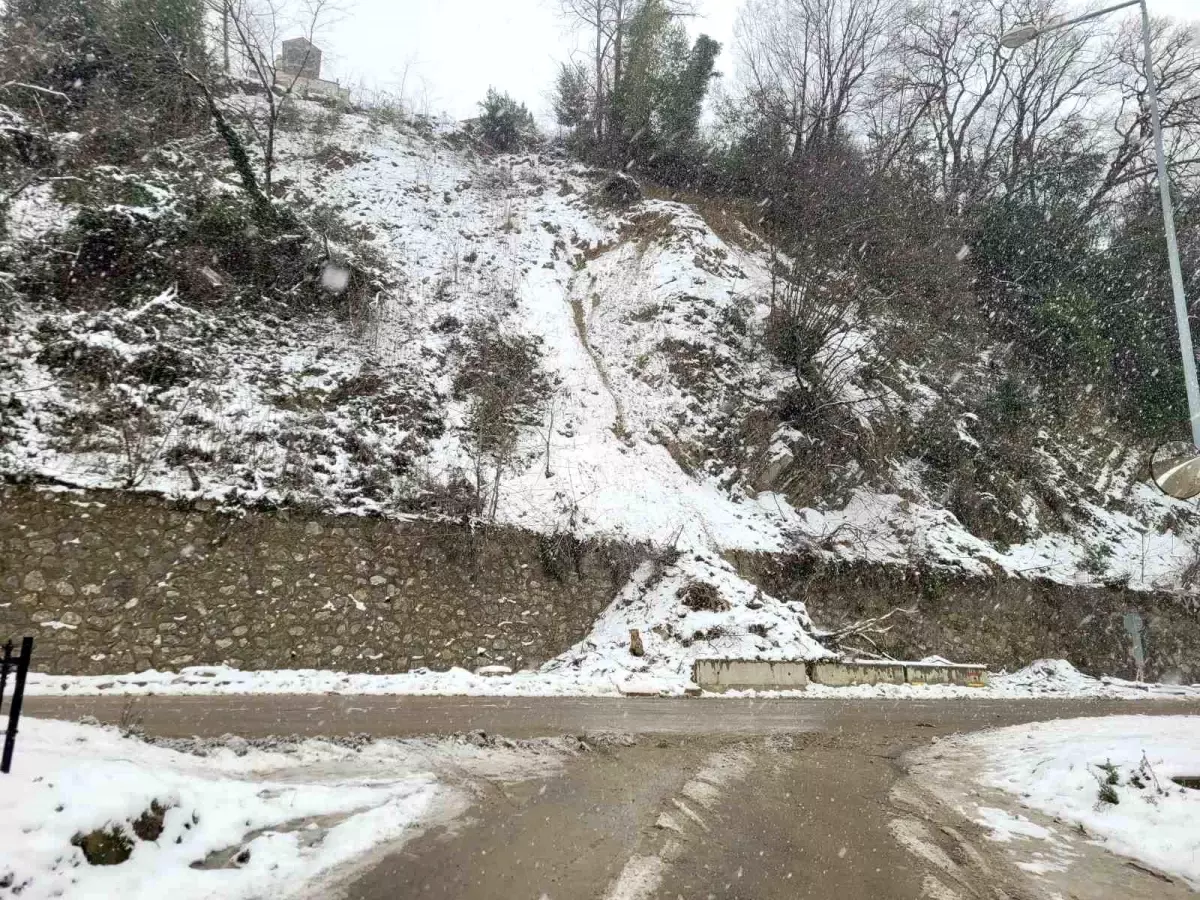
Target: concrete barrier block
843	674
749	674
936	673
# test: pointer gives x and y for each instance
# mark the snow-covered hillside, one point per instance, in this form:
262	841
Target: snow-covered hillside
645	322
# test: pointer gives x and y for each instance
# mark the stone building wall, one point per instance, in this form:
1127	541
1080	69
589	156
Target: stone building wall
109	582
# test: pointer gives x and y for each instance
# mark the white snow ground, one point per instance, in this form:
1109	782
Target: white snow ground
1045	679
291	817
608	291
1058	768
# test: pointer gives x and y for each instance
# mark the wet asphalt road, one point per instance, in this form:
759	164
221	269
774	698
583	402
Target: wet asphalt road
391	716
808	808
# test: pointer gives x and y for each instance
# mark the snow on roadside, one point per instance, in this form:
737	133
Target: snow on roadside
744	623
565	677
274	823
1061	768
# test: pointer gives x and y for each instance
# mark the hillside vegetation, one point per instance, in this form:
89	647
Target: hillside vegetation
735	349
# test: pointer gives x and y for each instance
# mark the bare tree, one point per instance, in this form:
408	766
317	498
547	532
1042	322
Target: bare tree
825	327
952	70
992	121
1176	53
257	29
1043	101
810	60
595	16
505	390
233	141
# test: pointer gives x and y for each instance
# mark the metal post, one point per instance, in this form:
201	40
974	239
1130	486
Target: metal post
1096	14
4	668
1164	189
14	709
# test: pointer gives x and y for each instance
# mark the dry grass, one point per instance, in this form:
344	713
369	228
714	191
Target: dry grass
733	219
591	252
646	228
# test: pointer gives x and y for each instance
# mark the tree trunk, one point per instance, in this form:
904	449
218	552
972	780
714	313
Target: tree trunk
269	155
614	116
598	124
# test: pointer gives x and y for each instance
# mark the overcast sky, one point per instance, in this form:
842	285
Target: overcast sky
446	53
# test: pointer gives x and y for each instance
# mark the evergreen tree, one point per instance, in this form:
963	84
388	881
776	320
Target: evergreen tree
1136	311
659	99
684	100
572	97
147	33
652	38
504	123
59	19
67	46
143	25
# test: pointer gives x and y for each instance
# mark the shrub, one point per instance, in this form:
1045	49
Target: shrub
702	596
290	117
105	846
504	387
327	123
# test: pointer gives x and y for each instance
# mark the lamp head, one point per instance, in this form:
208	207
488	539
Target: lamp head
1019	36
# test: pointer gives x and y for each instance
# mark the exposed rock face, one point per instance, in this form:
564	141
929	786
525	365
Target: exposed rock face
113	582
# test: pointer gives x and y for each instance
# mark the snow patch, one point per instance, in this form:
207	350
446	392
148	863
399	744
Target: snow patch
1059	767
260	823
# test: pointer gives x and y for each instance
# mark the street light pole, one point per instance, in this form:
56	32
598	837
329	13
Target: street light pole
1164	190
1023	34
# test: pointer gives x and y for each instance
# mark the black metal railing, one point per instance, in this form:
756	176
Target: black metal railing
21	664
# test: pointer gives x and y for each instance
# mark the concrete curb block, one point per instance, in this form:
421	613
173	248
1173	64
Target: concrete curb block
964	674
719	675
749	674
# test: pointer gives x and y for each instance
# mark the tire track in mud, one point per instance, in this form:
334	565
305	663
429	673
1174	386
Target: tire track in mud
680	822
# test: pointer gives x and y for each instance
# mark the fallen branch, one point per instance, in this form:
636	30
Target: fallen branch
33	87
865	627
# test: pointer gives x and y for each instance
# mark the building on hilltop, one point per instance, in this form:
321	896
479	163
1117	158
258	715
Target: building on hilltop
298	69
300	57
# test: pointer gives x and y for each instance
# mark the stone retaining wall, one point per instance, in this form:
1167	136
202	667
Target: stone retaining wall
1000	622
112	582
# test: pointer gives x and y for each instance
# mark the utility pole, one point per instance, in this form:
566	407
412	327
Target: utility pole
1023	34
